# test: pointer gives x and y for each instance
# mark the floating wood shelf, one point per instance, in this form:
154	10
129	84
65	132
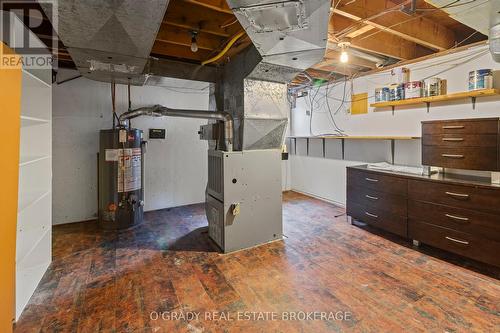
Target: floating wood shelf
441	98
323	138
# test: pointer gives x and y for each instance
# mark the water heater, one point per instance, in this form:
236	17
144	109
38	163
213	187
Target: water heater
121	165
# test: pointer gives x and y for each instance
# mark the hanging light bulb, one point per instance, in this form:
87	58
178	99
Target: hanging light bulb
194	44
344	56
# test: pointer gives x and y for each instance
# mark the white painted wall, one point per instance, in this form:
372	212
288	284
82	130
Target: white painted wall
326	177
176	168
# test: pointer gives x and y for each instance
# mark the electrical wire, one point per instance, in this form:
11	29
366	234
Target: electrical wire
349	29
225	49
431	10
337	131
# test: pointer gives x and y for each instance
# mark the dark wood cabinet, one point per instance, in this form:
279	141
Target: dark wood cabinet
461	126
457	214
470	144
377	199
460	214
452	240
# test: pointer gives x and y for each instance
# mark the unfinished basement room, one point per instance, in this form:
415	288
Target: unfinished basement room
266	166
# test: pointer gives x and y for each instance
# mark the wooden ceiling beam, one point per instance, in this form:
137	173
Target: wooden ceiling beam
323	74
190	27
332	57
332	68
181	36
420	30
216	5
383	43
179	51
360	31
193	17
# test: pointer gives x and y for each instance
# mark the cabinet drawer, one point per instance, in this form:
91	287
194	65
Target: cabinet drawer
467	197
391	203
470	126
377	182
464	220
454	241
461	140
378	218
461	158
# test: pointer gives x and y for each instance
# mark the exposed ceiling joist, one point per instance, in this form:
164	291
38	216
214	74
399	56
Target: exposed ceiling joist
324	74
385	43
190	27
191	16
180	36
335	67
416	29
166	49
360	31
216	5
332	57
182	70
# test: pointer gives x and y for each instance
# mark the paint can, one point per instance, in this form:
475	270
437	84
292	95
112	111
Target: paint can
432	86
413	89
481	79
397	92
386	94
378	95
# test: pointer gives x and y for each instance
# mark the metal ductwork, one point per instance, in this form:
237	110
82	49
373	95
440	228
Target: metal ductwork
161	111
109	40
289	33
288	37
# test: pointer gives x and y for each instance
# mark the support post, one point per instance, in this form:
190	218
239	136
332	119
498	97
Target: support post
324	151
393	150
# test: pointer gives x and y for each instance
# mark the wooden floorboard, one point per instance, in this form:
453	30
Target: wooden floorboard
113	282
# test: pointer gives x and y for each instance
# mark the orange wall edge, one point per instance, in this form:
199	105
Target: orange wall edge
10	108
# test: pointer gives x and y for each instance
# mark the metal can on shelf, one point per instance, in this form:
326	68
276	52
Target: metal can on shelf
379	95
481	79
396	92
432	86
413	89
386	94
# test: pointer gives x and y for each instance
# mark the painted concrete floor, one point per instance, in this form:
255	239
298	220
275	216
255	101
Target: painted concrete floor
325	276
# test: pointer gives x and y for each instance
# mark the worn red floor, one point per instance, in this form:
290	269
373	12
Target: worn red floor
106	282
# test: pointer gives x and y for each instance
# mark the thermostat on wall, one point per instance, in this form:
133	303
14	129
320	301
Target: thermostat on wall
157	133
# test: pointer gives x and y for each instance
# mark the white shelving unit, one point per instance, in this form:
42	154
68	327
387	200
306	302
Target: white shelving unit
34	217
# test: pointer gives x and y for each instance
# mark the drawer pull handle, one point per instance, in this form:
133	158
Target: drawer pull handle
453	139
459	195
454	127
459	218
457	240
371	215
371	180
452	156
370	197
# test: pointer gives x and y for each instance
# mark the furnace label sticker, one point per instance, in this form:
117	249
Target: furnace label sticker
111	155
129	169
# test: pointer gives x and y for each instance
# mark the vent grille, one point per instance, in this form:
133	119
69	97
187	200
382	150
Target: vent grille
215	177
216	225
